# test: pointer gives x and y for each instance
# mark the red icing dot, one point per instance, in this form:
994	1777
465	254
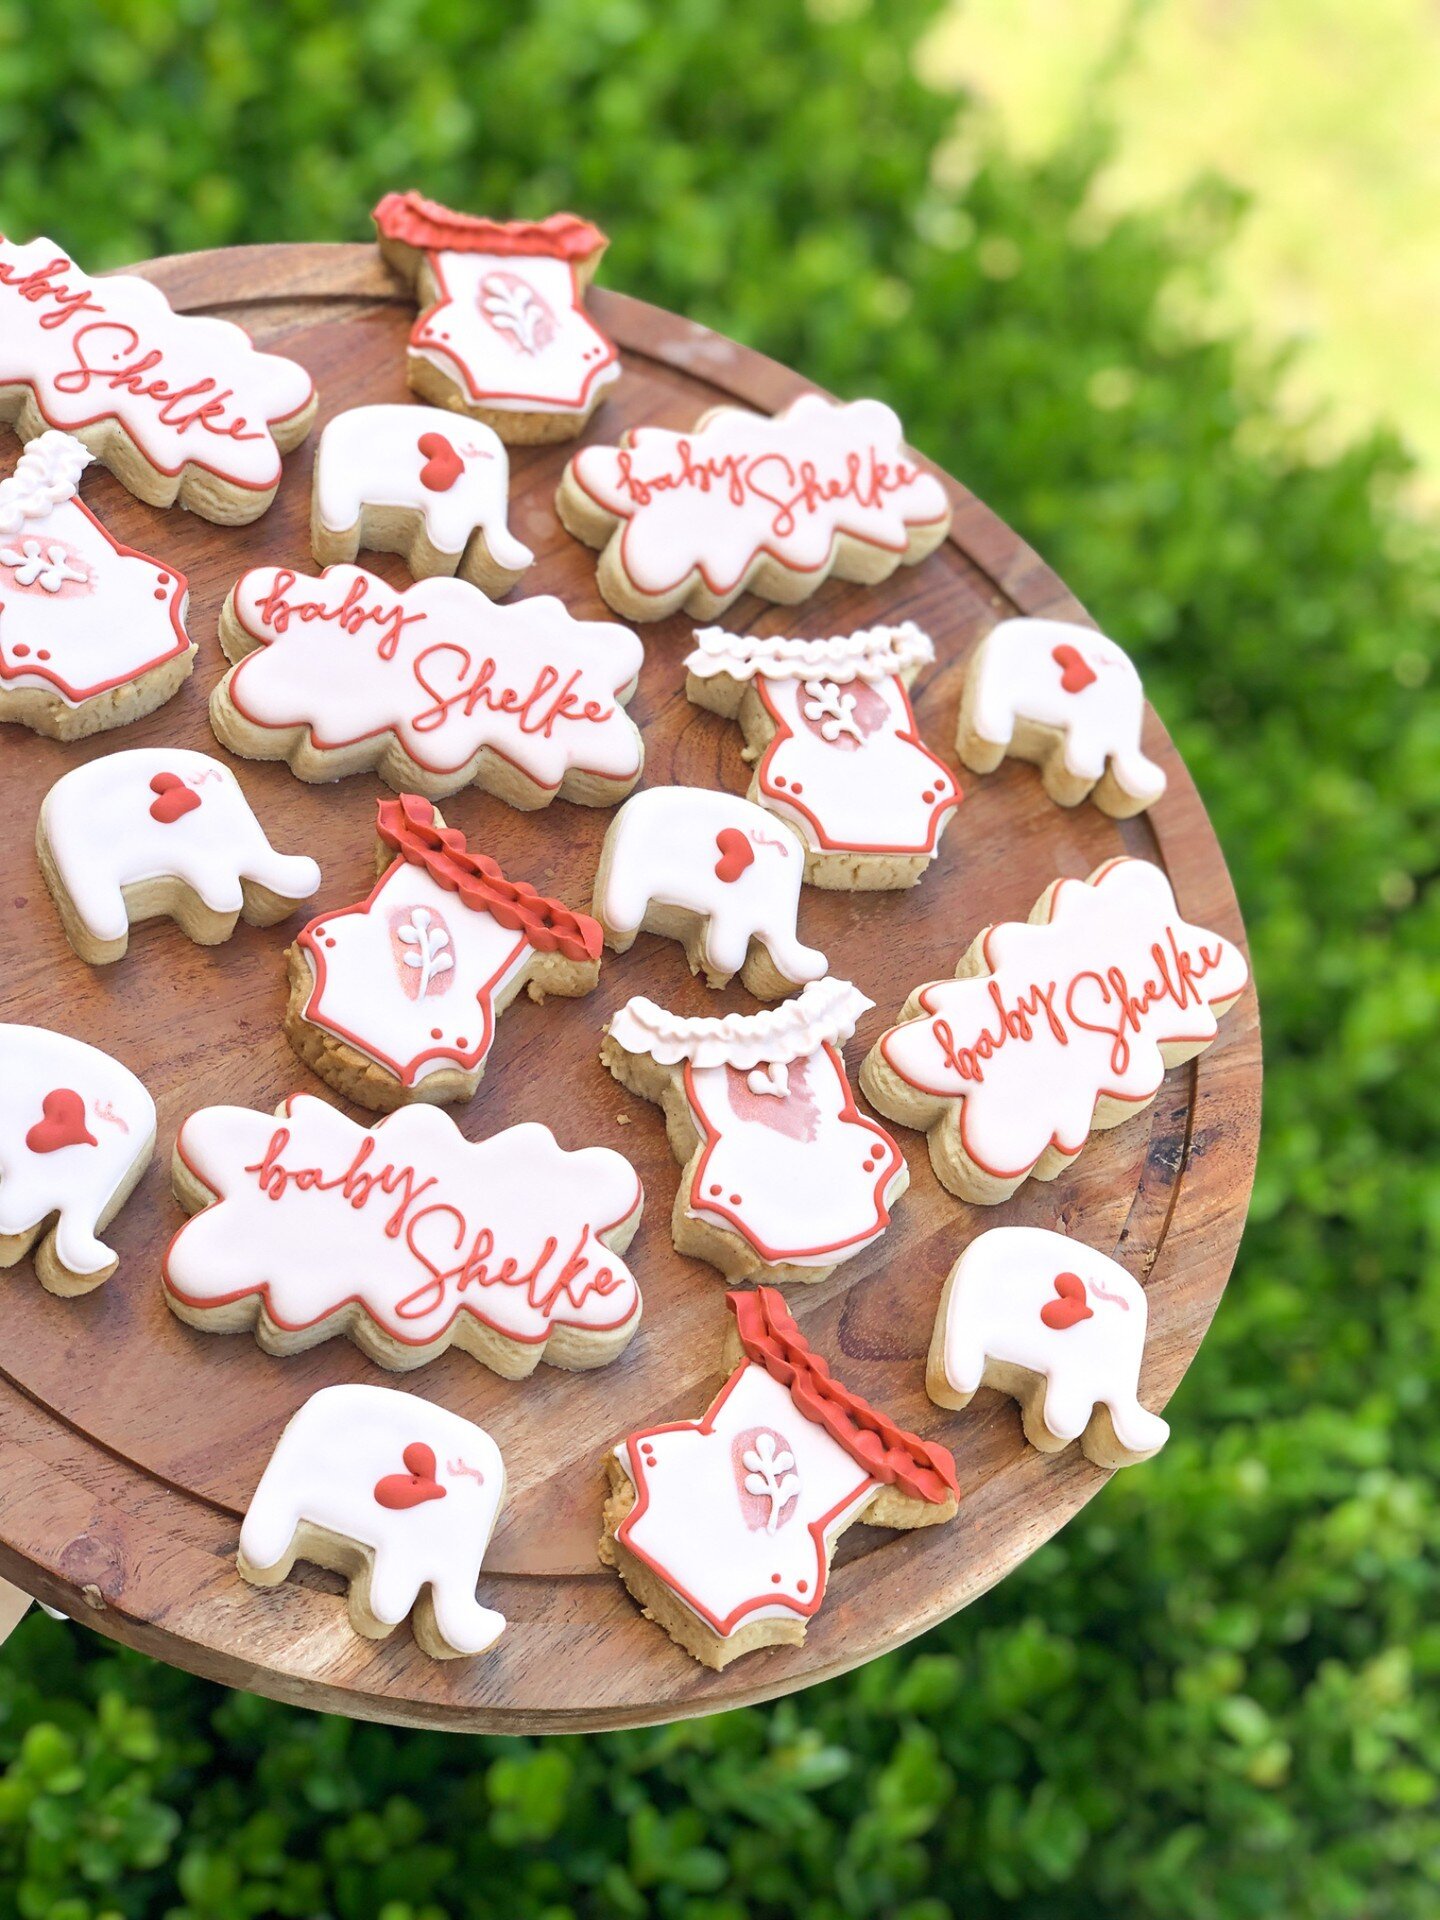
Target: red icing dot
20	652
160	594
774	1579
940	786
331	941
715	1189
780	780
434	1033
927	796
795	787
461	1041
802	1586
735	1200
163	578
43	654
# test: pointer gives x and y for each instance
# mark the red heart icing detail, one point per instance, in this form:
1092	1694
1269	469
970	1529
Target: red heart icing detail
175	798
417	1484
63	1124
1075	672
443	466
736	854
1070	1308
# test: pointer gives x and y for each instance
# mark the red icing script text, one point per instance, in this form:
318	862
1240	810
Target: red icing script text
791	488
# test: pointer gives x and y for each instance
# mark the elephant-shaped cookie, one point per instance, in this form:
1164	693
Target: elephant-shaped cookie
76	1133
715	872
1070	701
1059	1327
419	481
160	830
399	1495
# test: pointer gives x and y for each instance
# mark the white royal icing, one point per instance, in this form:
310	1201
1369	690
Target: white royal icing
341	1465
1054	1307
1067	1010
161	812
715	500
1071	678
187	389
846	765
79	613
73	1122
736	1552
453	471
512	331
826	1011
441	668
408	1218
716	856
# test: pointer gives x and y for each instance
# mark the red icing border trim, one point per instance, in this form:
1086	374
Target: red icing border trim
417	222
887	1452
407	825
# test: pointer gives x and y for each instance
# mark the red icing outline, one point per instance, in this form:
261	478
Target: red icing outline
19	670
850	1112
961	1101
462	1305
786	800
432	228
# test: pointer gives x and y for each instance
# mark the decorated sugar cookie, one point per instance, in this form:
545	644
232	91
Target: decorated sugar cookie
405	1237
837	754
180	407
722	1528
714	872
156	831
691	520
783	1177
396	999
417	481
1053	1028
92	633
76	1133
503	334
398	1495
1069	700
431	685
1059	1327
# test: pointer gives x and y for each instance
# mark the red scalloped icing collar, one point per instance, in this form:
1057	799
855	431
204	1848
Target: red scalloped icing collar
418	222
887	1452
408	826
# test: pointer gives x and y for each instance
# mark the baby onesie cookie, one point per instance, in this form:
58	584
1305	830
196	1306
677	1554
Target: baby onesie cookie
396	999
837	754
398	1495
714	872
722	1528
1068	700
742	500
416	481
431	685
92	633
783	1177
404	1237
1057	1326
180	407
158	831
1053	1028
76	1133
503	334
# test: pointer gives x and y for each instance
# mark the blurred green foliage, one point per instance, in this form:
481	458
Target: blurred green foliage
1215	1695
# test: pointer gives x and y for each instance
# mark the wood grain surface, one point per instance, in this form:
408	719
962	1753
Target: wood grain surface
131	1443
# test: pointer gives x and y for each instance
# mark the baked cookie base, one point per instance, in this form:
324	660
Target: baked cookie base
402	530
52	1275
1042	747
45	712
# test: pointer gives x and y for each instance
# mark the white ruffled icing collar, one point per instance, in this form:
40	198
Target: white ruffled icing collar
47	473
875	653
826	1011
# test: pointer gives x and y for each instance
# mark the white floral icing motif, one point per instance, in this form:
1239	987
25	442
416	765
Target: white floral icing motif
453	471
712	503
410	976
81	614
150	813
413	1483
1054	1308
1062	1012
73	1123
789	1163
716	856
408	1221
737	1512
190	391
440	668
504	314
845	765
1070	678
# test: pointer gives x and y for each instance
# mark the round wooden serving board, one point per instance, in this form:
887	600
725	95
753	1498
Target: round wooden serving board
131	1444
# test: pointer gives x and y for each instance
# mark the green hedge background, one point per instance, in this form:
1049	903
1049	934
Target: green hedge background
1215	1693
